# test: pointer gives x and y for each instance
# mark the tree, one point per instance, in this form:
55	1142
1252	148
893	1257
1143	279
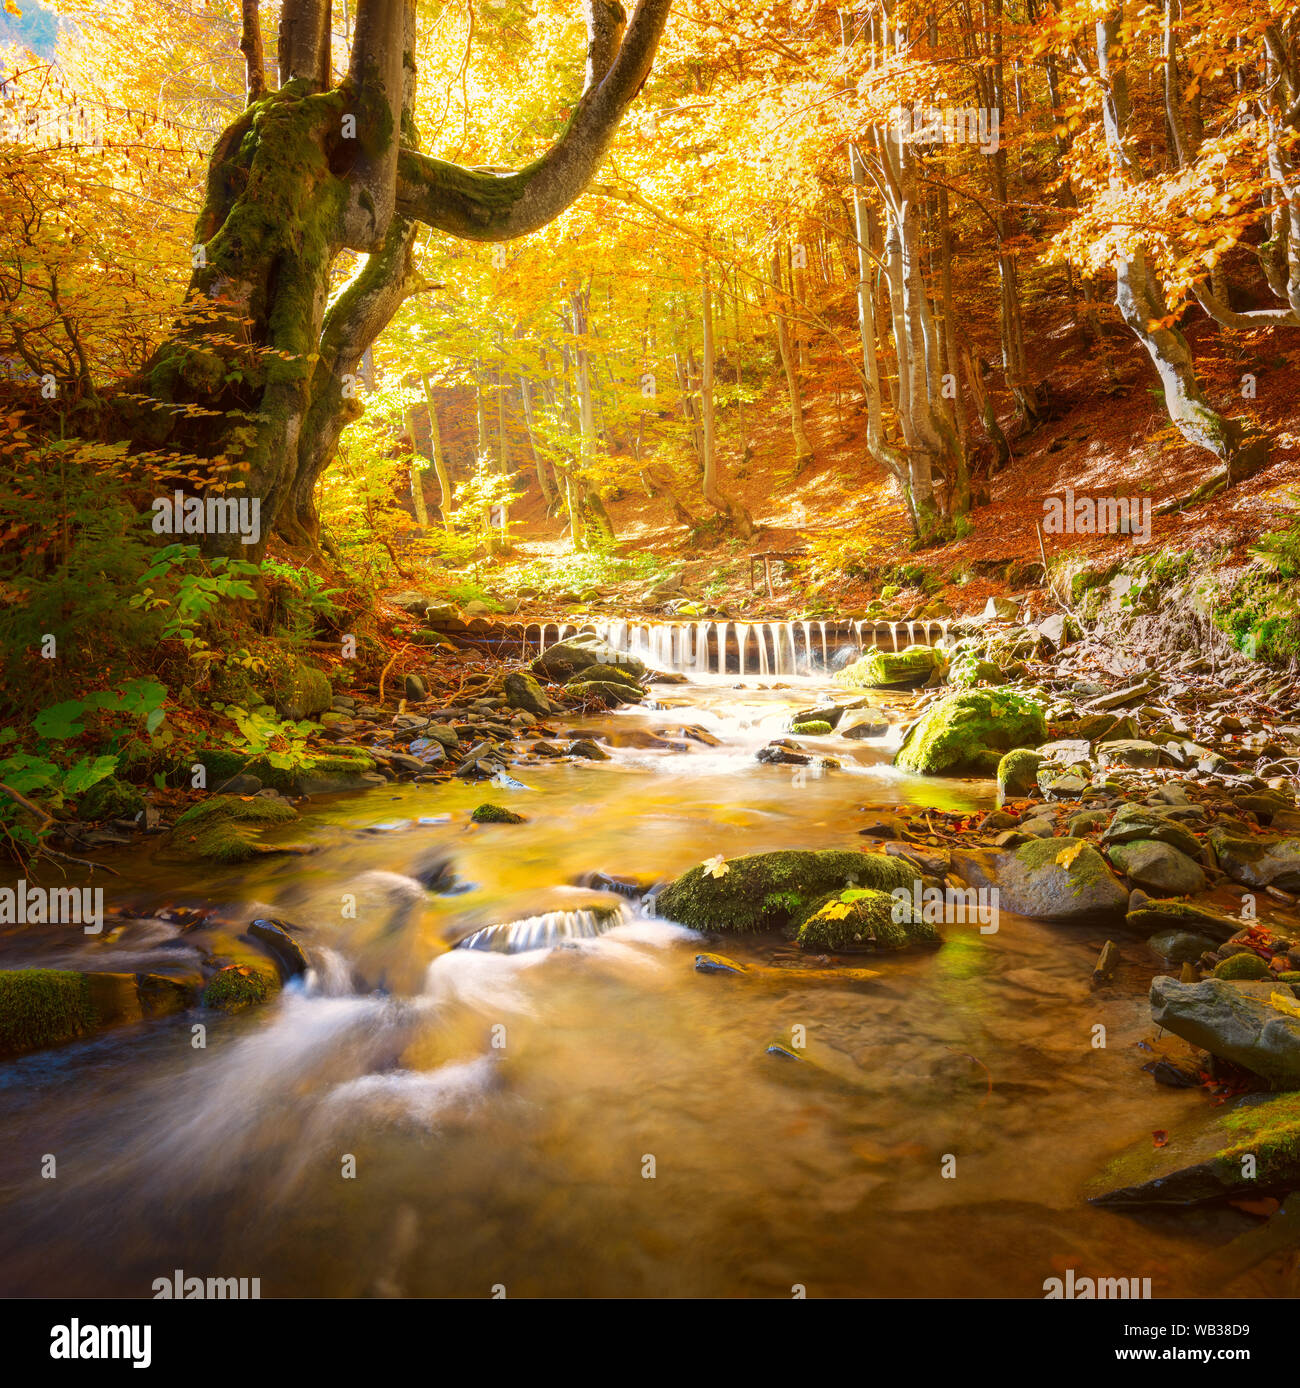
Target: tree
260	374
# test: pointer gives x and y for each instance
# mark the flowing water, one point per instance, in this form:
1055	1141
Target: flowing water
566	1107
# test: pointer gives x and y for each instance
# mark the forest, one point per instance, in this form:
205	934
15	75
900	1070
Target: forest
651	651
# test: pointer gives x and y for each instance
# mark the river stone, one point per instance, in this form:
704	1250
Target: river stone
1031	881
606	691
1234	1021
523	692
565	659
1068	751
307	695
584	747
283	948
1158	866
824	713
1129	751
1258	862
717	964
1149	822
866	727
1185	915
1202	1160
1018	772
414	689
890	669
1179	946
772	891
964	731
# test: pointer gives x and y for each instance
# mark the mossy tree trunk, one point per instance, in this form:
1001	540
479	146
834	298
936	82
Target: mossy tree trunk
259	375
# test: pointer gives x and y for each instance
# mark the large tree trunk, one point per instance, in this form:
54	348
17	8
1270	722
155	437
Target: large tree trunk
260	373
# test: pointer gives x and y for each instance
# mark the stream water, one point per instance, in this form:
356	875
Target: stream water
503	1110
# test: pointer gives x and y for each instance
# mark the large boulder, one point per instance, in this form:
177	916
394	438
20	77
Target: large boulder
307	693
1158	867
862	919
966	732
1266	861
772	891
559	663
1062	880
1133	821
1235	1021
891	669
1160	914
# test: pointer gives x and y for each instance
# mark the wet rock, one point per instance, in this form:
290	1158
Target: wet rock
865	919
1158	866
1063	880
776	754
284	949
609	692
1158	914
1202	1159
1179	946
488	813
866	727
772	891
586	749
1234	1021
414	689
717	964
1083	821
226	828
824	713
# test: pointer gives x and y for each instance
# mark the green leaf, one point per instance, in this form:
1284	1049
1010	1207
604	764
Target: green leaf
87	772
60	721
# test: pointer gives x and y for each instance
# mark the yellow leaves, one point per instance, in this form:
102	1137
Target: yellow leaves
11	8
837	911
715	867
1285	1004
1065	858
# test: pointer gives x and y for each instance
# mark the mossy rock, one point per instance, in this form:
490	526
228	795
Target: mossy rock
885	669
41	1007
1244	965
306	693
956	734
344	768
609	674
814	728
1203	1160
606	691
1159	913
496	814
225	828
1018	772
773	891
861	919
238	986
110	799
969	670
219	765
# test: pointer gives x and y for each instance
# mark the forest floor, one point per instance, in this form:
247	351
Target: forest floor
1101	439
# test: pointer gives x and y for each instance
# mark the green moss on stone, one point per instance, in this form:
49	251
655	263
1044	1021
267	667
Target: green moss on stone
878	669
1238	966
41	1007
770	891
495	814
955	734
238	986
224	828
864	919
1018	772
110	799
815	727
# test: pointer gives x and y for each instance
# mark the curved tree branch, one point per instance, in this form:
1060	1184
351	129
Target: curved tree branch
478	206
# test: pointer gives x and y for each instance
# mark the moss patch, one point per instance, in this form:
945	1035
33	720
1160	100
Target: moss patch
815	727
1242	965
957	733
225	828
772	891
110	799
878	669
237	986
40	1007
864	919
496	814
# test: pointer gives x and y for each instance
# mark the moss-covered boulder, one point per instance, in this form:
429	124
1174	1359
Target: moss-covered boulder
41	1007
861	919
970	669
110	799
1159	913
610	692
495	814
773	891
238	986
1203	1160
815	727
565	659
1018	772
521	690
1063	880
304	694
324	773
891	669
226	828
959	733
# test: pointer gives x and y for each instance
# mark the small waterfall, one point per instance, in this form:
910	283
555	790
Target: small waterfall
722	647
893	630
742	640
807	648
761	630
826	660
543	932
702	648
